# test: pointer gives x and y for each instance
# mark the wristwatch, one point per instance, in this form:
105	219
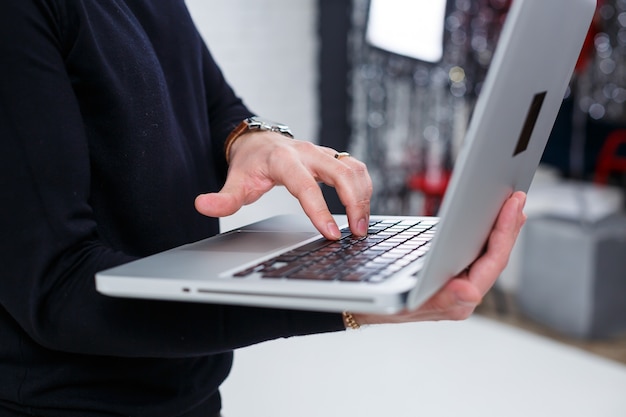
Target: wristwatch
254	123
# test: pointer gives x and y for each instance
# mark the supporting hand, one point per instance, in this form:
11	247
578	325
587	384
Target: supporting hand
458	299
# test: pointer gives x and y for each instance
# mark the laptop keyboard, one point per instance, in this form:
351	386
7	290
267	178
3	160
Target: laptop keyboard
389	246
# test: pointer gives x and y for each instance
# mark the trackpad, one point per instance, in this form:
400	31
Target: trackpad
249	241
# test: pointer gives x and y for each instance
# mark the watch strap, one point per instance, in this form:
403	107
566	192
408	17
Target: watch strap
241	128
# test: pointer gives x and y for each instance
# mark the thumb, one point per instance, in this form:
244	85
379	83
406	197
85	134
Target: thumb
226	202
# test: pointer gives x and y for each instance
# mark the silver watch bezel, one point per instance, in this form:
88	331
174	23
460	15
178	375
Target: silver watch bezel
259	123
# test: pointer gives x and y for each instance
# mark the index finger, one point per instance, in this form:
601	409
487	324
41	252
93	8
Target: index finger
302	185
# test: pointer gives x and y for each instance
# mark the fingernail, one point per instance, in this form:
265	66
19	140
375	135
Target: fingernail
517	204
521	200
362	227
333	230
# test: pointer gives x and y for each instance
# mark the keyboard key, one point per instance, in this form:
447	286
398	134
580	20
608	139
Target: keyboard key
389	246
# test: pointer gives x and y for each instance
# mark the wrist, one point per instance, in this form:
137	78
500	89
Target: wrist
252	124
363	319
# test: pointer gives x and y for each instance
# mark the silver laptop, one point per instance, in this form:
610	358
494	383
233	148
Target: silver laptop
257	265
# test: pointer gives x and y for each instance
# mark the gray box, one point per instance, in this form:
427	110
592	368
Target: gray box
573	275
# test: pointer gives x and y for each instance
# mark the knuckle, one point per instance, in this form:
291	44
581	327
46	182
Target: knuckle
345	172
360	167
309	187
306	189
280	154
356	169
304	146
363	203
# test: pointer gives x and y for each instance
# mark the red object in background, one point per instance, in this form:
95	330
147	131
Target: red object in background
433	191
608	159
588	49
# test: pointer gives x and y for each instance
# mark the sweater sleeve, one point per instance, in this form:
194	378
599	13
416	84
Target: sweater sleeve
221	110
50	247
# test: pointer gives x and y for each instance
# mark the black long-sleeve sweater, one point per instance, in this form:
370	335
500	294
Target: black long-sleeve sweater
113	116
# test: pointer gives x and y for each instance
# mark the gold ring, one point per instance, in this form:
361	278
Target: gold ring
340	155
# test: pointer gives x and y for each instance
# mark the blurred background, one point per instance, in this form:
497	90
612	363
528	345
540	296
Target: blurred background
341	73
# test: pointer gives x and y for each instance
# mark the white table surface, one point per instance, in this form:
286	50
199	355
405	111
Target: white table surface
473	368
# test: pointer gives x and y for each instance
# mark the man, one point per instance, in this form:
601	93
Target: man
113	121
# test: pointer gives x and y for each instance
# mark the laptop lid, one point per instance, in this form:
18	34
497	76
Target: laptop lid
527	80
512	120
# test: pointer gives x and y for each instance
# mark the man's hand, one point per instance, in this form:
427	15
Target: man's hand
261	160
458	299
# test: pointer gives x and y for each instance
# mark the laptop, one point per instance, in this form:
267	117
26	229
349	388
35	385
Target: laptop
512	120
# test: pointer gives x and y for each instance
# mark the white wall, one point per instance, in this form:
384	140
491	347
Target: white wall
267	50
